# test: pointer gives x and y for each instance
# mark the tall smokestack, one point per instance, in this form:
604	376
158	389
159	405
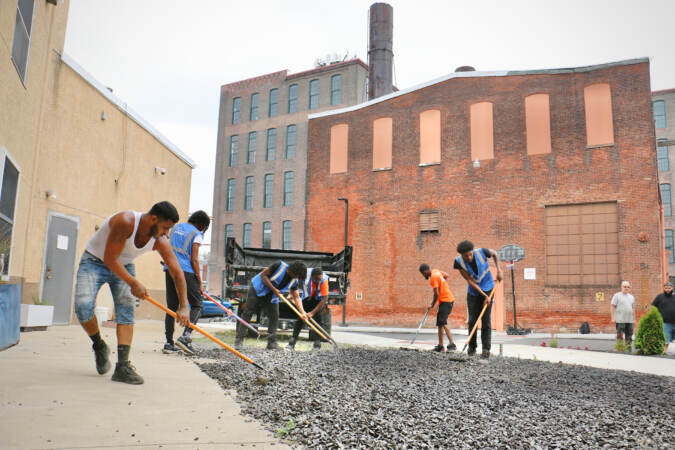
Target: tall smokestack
380	53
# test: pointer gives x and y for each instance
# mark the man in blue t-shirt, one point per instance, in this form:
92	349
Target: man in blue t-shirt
474	267
185	241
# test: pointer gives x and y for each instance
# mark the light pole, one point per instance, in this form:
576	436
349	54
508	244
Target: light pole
342	199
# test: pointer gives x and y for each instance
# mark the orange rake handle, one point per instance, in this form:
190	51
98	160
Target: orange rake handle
208	335
475	326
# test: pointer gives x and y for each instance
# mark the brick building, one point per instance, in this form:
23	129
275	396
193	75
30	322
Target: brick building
261	157
664	109
560	162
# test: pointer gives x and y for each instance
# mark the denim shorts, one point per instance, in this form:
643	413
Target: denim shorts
91	275
669	330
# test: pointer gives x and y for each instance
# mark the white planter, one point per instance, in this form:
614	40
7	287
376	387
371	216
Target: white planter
37	315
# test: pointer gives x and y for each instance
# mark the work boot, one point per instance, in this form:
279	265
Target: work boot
238	343
452	347
126	373
485	354
273	345
101	352
472	351
169	348
439	348
185	344
291	344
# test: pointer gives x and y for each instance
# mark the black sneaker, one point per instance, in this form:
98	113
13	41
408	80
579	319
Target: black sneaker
471	352
317	345
291	344
169	348
185	344
101	351
452	347
126	373
273	345
439	348
485	354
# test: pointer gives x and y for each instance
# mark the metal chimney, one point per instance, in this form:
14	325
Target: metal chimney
380	53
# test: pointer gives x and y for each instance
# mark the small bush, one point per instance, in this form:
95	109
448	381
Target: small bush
622	346
650	338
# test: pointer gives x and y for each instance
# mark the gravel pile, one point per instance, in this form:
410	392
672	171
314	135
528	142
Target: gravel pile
393	399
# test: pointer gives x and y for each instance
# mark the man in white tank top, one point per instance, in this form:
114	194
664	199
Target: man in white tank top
108	258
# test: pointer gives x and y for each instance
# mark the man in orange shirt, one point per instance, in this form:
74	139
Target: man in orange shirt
443	295
314	293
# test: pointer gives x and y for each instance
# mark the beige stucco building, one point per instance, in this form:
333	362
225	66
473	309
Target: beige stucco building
80	154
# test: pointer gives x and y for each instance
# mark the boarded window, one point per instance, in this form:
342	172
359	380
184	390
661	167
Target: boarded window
428	221
482	140
430	137
538	124
339	135
382	143
599	122
582	245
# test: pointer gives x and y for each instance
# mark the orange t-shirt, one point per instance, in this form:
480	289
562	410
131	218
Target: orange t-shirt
437	280
324	289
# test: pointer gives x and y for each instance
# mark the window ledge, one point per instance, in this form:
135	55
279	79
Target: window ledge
589	147
429	164
382	169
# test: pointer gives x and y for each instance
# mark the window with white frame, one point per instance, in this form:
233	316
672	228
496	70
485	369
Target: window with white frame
9	184
22	32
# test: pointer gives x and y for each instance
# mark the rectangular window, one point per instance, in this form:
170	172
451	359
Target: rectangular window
430	137
290	141
271	144
313	94
293	98
659	114
274	102
286	235
246	237
9	182
599	121
666	200
23	25
336	89
236	109
229	232
339	135
582	245
662	156
234	149
669	247
250	155
268	195
248	193
288	188
267	235
253	115
537	124
229	206
382	140
428	221
482	132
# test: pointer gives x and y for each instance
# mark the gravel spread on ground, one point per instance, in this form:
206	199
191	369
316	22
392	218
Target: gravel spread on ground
394	399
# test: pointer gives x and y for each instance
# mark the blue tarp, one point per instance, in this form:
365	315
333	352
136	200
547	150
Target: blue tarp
10	314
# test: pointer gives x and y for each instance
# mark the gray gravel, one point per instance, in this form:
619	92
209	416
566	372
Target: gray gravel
393	399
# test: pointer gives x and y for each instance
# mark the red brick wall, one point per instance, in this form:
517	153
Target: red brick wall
501	202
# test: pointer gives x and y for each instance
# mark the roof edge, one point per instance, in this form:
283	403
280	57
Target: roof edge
499	73
124	108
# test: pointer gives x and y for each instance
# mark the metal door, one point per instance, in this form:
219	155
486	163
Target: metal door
59	269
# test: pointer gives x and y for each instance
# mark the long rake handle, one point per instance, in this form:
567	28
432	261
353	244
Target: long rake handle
208	335
231	313
421	324
295	310
475	326
330	339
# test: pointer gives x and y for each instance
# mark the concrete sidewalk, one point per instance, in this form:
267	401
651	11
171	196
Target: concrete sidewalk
52	397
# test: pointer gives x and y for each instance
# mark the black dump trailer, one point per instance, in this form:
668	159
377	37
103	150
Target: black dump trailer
242	264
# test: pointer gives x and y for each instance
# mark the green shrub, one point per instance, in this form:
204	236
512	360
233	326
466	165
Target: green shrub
650	338
621	346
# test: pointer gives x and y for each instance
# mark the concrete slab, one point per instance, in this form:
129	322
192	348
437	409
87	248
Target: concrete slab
52	397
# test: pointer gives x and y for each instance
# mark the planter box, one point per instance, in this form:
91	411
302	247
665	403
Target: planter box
36	315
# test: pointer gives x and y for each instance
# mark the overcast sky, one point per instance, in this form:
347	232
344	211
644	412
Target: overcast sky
168	58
